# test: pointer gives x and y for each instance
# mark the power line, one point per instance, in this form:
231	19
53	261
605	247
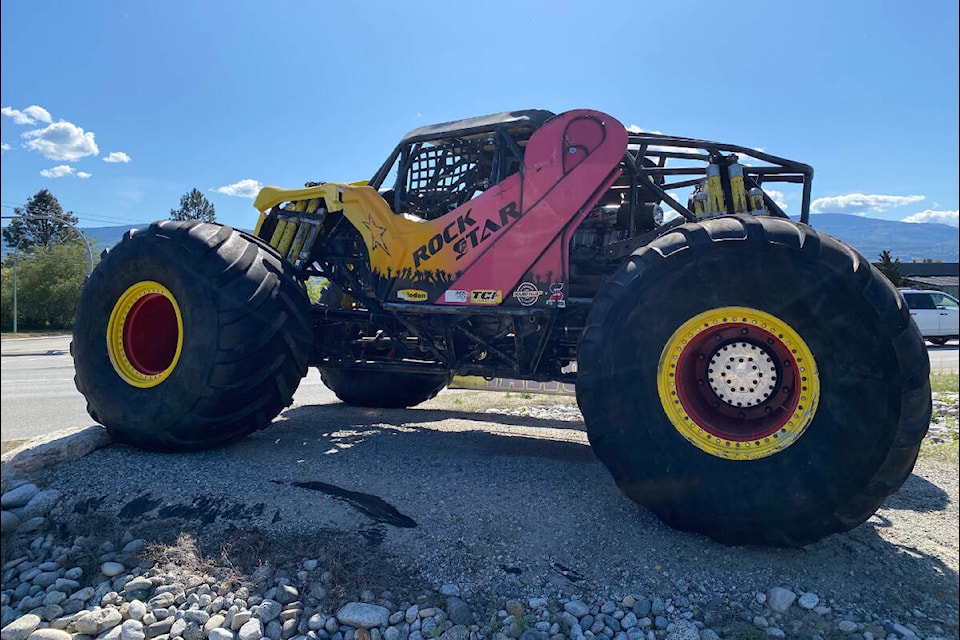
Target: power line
92	217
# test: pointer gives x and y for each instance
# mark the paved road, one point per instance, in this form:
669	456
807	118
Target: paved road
38	395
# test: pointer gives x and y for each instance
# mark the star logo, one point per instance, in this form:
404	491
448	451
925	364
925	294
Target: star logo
376	233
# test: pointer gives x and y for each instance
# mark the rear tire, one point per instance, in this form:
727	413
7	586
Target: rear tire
189	335
382	389
371	388
751	380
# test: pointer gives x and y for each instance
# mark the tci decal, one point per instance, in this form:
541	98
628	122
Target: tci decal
486	296
412	295
465	234
527	294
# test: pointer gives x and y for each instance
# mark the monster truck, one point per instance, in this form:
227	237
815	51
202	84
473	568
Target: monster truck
740	374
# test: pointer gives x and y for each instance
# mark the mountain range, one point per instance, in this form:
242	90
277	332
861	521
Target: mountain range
909	242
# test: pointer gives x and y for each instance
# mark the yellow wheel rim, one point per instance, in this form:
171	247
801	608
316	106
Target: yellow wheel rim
738	383
145	334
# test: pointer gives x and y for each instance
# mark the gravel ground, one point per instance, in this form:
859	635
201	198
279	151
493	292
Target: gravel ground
476	515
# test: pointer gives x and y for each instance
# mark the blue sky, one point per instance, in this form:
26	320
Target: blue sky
120	108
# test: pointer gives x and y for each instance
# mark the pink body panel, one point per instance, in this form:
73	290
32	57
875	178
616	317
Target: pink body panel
568	163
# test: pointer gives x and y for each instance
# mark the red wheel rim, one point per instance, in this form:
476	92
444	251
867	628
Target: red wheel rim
151	334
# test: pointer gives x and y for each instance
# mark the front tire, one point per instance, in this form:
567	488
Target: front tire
754	381
189	335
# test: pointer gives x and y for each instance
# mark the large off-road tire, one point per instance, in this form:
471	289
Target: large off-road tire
754	381
189	335
383	389
378	389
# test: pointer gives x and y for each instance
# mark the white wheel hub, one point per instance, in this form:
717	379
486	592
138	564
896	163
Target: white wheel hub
742	374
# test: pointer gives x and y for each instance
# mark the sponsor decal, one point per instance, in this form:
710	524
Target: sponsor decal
465	234
456	295
412	295
528	294
556	296
486	296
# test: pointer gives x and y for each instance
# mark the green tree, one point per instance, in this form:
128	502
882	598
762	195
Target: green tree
890	267
194	206
42	224
48	284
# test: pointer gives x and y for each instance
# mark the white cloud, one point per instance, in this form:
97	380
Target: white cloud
4	146
31	115
244	189
57	172
83	174
635	129
951	218
62	141
117	156
860	204
778	197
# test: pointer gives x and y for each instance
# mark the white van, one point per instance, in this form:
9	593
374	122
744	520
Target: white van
936	314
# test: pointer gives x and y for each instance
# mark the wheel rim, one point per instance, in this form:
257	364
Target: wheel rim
145	334
738	383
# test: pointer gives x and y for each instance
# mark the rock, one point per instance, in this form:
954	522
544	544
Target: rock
132	630
21	628
456	632
847	626
903	631
449	590
97	621
214	622
808	600
19	497
138	584
533	634
53	449
220	634
780	599
287	594
136	610
9	522
33	524
363	615
683	630
657	607
268	610
50	634
40	504
576	608
642	607
251	630
459	611
112	569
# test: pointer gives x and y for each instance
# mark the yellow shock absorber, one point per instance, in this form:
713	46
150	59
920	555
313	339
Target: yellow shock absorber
312	205
260	220
756	201
311	239
278	232
717	203
298	240
701	204
288	233
737	189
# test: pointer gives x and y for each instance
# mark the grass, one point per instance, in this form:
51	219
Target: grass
10	445
940	382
